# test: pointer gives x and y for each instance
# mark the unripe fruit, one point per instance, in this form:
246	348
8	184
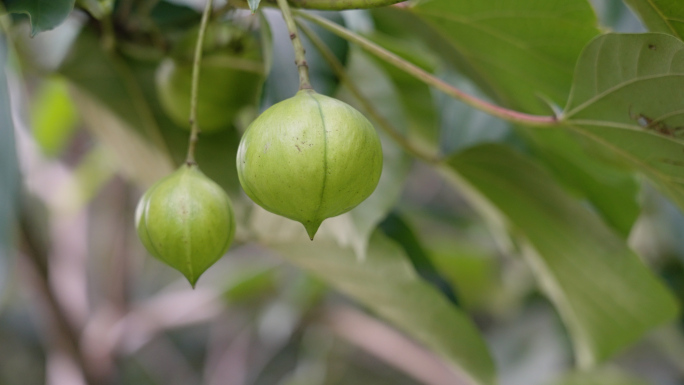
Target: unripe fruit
231	77
309	158
186	220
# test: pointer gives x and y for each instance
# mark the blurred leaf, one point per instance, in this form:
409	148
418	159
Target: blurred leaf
633	115
511	47
168	16
53	116
600	377
470	269
9	169
250	285
605	295
665	16
386	283
283	80
44	14
253	5
396	229
613	191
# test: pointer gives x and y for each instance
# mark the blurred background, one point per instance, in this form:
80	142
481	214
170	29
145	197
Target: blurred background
97	106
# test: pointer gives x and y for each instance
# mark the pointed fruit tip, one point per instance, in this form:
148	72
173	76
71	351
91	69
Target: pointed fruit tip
312	228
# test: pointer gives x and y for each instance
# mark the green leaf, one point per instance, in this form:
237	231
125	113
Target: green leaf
665	16
605	295
600	377
44	14
613	191
512	48
253	5
9	169
386	283
399	230
628	103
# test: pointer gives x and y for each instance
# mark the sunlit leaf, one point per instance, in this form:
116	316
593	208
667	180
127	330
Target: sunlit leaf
44	14
628	102
386	283
513	48
605	295
665	16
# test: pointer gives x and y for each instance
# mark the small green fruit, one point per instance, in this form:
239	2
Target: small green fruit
226	86
186	220
231	77
309	158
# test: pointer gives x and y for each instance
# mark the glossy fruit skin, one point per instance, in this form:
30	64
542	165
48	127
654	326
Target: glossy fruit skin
186	220
309	158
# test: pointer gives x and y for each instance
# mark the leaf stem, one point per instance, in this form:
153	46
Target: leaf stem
366	103
194	91
492	109
300	52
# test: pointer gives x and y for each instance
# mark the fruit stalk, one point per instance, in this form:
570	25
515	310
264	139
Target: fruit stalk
300	52
194	127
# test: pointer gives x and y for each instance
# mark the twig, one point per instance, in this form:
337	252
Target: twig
300	52
194	127
492	109
366	104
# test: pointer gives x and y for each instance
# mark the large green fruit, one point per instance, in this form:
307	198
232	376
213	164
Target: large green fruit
186	220
231	77
309	158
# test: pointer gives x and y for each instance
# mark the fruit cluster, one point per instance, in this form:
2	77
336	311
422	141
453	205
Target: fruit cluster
307	158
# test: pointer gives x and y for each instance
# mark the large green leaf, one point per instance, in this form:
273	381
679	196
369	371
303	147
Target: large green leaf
524	51
9	169
613	191
605	295
628	101
661	15
386	283
44	14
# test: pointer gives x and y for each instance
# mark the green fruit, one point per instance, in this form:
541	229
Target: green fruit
309	158
186	220
226	85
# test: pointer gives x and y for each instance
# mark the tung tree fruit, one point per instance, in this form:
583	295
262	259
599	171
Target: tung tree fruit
309	158
186	220
231	77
